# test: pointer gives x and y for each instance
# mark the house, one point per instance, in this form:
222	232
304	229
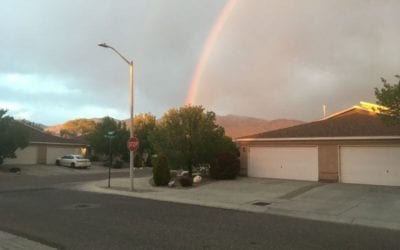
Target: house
351	146
45	148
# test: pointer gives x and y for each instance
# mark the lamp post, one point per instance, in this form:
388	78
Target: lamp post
130	63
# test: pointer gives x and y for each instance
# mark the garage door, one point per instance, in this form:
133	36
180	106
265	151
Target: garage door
54	152
370	165
296	163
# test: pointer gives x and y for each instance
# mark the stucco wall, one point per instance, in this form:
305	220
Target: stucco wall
27	155
328	163
41	154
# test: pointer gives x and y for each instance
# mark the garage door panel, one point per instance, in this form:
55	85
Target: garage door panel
297	163
370	165
54	152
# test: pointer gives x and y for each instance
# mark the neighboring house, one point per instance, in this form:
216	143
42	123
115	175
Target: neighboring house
351	146
44	148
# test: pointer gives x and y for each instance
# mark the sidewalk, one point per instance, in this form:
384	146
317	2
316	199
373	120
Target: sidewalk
10	241
376	206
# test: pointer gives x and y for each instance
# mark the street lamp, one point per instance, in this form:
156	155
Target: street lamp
131	156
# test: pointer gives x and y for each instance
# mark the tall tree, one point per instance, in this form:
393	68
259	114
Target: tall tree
78	127
389	96
101	144
13	135
189	136
144	125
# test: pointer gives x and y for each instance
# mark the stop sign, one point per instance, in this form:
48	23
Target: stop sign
133	143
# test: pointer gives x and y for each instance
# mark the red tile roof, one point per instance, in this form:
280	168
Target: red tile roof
352	122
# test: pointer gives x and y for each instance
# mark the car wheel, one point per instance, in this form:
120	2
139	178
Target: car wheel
72	165
57	162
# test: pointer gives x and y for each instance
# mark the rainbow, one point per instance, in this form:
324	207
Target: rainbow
209	44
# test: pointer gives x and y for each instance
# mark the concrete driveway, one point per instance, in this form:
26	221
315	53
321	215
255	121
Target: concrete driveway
376	206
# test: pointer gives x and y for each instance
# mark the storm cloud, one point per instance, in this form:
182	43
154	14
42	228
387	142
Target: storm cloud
272	59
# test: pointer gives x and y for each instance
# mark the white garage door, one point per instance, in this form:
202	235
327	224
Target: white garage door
296	163
54	152
370	165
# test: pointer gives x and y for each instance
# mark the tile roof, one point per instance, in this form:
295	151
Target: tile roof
38	136
352	122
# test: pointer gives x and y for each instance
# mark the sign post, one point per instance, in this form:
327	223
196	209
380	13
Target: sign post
133	145
110	135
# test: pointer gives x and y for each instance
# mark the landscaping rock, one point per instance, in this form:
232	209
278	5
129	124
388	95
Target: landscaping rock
15	170
171	183
186	181
197	179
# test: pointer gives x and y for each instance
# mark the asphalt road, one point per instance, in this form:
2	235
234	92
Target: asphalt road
24	181
81	220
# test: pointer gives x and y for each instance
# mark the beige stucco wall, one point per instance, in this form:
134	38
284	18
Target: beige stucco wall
27	155
328	163
42	154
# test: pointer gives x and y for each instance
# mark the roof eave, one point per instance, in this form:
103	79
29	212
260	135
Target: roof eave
338	138
59	143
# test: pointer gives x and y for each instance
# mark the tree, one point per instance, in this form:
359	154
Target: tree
389	96
189	136
144	125
101	144
78	127
13	135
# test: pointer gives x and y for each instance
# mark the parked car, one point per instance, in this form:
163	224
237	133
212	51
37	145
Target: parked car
73	161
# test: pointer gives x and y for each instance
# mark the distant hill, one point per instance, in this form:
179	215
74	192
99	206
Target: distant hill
55	129
237	126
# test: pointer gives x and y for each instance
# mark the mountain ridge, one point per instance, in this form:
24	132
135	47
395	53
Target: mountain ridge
234	125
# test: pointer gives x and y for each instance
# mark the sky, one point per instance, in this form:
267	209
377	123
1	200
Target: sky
269	59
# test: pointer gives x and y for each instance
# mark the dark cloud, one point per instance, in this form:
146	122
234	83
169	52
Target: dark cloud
288	58
273	59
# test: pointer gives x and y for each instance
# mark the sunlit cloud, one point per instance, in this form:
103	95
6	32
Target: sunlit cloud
16	110
9	105
34	84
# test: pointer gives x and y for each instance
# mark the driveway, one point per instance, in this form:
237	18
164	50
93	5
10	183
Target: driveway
377	206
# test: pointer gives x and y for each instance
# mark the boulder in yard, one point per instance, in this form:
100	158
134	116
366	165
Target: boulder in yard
197	179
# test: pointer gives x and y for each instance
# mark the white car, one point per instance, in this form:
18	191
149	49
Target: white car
73	161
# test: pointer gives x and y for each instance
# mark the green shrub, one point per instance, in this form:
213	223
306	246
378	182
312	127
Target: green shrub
94	158
161	174
226	166
138	162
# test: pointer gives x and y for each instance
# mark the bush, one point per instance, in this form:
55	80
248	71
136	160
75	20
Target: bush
138	162
149	161
161	174
93	158
186	181
225	167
